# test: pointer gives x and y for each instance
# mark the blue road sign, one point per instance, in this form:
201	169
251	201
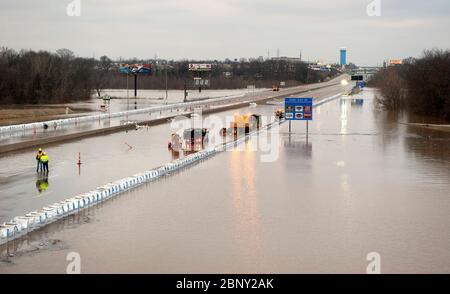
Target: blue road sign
298	108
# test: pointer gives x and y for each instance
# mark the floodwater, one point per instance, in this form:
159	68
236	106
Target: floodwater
360	182
104	159
149	98
59	130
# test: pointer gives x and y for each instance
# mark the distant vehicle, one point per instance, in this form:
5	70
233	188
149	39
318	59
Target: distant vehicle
195	139
129	122
247	122
253	104
274	102
275	88
175	144
279	113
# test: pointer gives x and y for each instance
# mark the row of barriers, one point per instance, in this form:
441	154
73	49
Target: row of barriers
103	116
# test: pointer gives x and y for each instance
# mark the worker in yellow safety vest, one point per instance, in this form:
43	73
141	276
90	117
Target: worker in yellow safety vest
44	160
38	159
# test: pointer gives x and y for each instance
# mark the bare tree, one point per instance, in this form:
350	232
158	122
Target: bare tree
102	70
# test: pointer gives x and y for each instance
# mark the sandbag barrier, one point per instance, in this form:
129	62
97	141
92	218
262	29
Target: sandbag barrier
22	225
81	119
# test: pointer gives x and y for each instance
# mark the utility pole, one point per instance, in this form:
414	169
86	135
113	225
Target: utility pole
167	93
185	91
135	86
128	98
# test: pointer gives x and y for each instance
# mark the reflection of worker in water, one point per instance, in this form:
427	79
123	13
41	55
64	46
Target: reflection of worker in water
38	159
44	160
42	184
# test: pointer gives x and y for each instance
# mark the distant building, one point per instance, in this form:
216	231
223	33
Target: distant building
343	59
287	59
395	62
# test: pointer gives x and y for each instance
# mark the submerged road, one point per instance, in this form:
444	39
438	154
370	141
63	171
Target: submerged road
361	183
13	140
104	159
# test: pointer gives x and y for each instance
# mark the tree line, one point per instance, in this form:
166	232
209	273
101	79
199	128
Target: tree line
28	77
36	77
421	85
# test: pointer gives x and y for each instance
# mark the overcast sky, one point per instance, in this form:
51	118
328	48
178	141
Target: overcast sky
218	29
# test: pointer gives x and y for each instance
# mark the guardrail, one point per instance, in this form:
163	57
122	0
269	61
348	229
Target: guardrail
96	117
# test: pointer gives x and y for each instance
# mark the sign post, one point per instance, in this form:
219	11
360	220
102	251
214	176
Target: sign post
134	69
298	109
199	68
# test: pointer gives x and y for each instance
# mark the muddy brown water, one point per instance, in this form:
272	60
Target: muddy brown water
361	183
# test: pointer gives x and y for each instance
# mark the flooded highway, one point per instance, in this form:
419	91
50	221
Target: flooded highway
360	182
104	159
34	134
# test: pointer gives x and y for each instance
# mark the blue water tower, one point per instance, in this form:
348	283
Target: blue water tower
343	60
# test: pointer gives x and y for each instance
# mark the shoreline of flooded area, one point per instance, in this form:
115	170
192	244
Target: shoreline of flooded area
361	182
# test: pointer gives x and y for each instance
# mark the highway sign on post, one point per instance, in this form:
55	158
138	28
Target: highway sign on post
135	68
395	61
357	78
298	108
200	66
201	82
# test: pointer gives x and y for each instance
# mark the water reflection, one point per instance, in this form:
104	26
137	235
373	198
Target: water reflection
41	240
243	191
297	146
427	143
357	102
388	125
42	183
345	105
